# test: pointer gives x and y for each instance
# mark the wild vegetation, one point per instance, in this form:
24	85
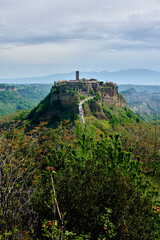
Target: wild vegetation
70	183
63	181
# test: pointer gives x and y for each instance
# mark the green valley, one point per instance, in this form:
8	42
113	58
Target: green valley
143	100
21	97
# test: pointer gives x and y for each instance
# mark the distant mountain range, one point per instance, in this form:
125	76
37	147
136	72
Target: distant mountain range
130	76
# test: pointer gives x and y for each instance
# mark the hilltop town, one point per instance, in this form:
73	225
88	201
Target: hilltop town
108	91
66	95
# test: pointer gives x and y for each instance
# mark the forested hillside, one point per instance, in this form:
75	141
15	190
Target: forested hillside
21	97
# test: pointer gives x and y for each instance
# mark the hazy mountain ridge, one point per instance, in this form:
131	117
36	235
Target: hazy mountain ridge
129	76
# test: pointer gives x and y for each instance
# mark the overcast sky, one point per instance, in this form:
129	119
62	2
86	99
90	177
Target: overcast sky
42	37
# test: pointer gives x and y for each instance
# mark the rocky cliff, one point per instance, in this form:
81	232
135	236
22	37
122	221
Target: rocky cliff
63	100
109	94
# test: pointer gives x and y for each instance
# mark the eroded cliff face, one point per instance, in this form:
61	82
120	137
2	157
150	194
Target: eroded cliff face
109	94
65	96
59	105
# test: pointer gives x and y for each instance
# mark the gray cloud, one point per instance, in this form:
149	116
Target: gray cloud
147	32
24	21
89	26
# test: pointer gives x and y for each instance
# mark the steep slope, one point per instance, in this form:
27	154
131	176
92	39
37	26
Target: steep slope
103	107
105	117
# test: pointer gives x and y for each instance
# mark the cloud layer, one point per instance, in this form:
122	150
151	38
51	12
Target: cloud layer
40	37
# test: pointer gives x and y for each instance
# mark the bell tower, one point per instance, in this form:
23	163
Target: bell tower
77	75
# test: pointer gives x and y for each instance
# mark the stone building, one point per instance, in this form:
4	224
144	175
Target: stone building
63	90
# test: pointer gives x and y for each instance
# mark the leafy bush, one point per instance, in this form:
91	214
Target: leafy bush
100	190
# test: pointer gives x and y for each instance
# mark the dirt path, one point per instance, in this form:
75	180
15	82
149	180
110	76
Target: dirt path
81	112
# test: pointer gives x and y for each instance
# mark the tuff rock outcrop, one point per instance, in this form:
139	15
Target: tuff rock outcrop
65	96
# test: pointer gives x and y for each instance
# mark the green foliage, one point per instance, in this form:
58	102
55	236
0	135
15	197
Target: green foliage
19	116
20	97
145	141
94	123
108	226
119	116
92	92
96	98
100	188
41	108
98	174
103	117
